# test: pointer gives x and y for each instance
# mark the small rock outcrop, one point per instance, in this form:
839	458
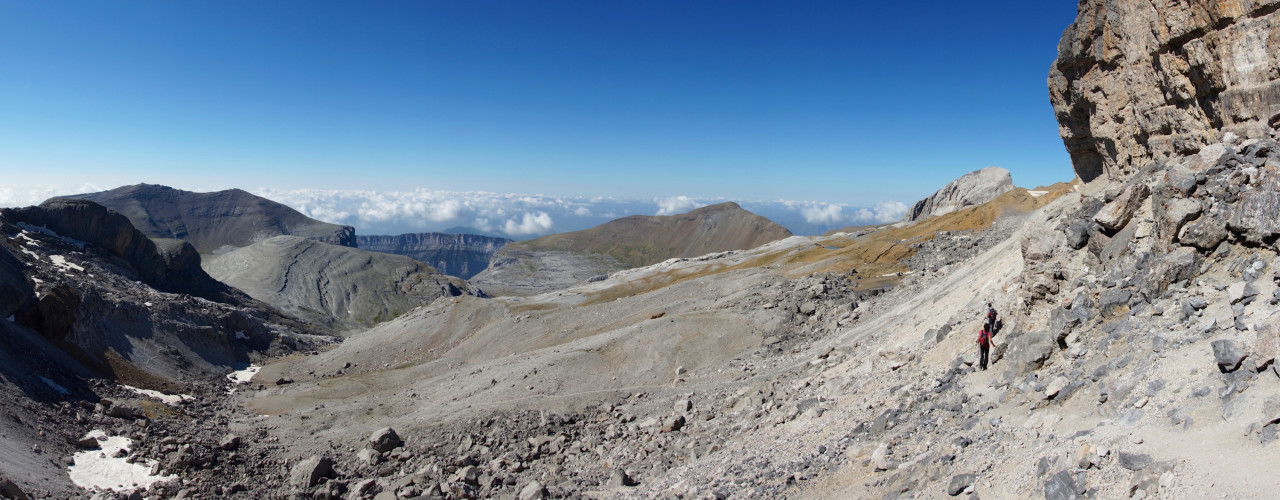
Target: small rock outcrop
973	188
1137	80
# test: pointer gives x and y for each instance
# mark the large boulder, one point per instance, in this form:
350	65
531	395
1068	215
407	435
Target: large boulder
1117	213
308	472
1205	232
1140	80
384	440
971	189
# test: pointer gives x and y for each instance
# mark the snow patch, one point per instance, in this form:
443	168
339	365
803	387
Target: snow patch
169	399
61	261
57	387
33	255
102	470
30	241
240	335
148	304
245	375
49	232
1037	194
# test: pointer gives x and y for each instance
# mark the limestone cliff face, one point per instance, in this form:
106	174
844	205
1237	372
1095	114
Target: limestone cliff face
461	255
1143	80
973	188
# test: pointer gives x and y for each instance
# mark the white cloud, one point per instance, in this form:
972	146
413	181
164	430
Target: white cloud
26	197
884	212
676	205
531	224
823	214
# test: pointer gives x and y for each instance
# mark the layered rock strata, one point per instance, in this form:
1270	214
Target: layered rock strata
332	285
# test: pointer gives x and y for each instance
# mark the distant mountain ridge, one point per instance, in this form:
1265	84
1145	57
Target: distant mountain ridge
641	240
559	260
212	221
461	255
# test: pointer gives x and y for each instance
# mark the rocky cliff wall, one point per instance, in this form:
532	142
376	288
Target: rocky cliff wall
168	265
1143	80
461	255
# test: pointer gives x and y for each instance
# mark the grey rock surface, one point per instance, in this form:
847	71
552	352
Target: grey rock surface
1228	354
971	189
15	289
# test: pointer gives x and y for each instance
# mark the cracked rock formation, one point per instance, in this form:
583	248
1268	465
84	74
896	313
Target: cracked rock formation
1137	80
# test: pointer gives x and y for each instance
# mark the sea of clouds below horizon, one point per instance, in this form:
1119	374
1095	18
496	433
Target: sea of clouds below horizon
515	216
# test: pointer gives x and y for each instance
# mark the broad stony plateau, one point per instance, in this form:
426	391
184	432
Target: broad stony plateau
1135	357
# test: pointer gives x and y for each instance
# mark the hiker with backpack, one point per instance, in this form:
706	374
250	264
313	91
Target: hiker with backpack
984	347
991	319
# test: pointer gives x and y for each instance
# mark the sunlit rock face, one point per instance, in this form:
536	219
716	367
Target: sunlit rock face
1140	80
971	189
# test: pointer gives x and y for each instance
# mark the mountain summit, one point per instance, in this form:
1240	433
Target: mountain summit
971	189
211	221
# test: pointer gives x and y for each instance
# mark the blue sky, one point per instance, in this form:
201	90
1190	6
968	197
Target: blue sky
849	104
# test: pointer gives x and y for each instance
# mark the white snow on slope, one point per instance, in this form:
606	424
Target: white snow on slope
56	386
170	399
49	232
61	261
245	375
101	469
